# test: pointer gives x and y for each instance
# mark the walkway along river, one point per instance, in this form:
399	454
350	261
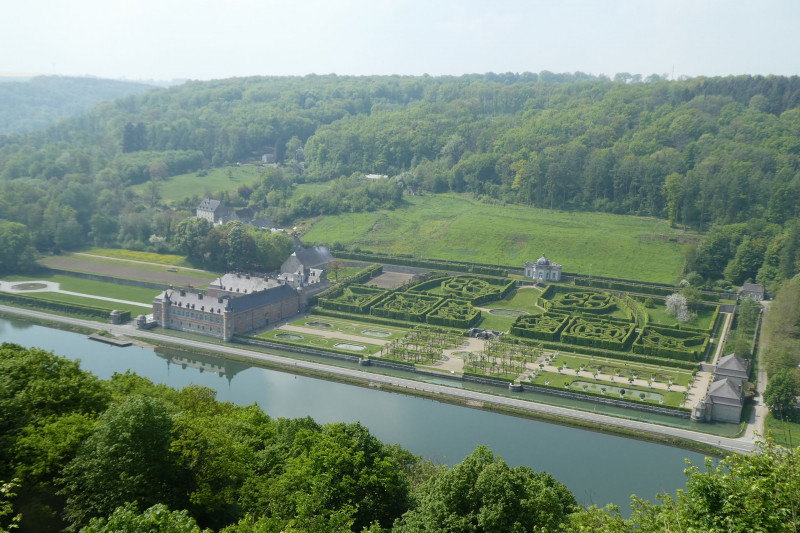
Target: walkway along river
597	467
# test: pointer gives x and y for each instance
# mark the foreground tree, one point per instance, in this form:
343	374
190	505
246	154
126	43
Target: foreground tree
484	494
744	493
781	394
126	459
156	519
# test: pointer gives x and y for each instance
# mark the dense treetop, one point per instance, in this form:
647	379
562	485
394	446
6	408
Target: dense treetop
702	152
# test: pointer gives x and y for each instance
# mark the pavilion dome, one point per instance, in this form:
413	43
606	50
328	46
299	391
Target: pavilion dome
543	261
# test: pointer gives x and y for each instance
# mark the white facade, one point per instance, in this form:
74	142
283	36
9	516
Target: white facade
543	270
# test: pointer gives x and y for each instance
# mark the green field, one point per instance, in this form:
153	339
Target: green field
784	433
177	188
457	227
146	257
85	286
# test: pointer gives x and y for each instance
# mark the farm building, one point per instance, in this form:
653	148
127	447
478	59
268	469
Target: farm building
212	210
543	269
754	291
227	308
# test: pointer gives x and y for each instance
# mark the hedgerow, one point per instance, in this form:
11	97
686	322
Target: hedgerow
544	327
454	313
407	306
606	334
567	300
354	299
671	343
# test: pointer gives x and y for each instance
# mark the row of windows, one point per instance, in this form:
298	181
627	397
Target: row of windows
179	324
197	316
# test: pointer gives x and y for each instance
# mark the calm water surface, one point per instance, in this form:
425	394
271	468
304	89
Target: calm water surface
598	468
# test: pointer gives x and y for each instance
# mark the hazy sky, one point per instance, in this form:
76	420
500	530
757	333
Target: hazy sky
209	39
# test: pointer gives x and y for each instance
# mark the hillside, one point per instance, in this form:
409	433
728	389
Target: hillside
38	102
702	153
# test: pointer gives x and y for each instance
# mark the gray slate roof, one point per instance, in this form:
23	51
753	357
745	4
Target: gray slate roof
267	297
732	365
209	205
724	392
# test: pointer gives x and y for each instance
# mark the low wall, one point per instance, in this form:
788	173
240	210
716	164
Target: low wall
298	349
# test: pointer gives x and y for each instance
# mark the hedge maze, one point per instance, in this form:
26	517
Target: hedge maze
671	343
545	327
454	314
411	307
582	302
476	290
606	334
354	299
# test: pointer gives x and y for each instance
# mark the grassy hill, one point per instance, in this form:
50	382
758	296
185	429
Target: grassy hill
457	227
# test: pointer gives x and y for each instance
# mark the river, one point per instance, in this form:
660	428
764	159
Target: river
597	467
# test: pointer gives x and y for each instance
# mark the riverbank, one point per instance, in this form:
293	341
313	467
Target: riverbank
683	438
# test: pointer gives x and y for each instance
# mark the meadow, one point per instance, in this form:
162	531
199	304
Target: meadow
460	228
89	287
176	188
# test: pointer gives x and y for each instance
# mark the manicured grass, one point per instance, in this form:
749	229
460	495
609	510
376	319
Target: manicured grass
658	315
627	369
351	327
523	299
318	341
783	433
177	188
457	227
495	322
344	272
85	286
89	302
671	398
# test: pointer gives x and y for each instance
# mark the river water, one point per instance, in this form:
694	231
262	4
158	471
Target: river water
598	468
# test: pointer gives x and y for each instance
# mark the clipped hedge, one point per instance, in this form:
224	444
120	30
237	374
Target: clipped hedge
625	287
545	327
595	302
671	343
408	306
62	307
354	299
603	334
454	314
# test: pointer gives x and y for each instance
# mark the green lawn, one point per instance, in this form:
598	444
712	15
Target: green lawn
627	369
351	327
658	315
457	227
87	301
318	341
177	188
671	398
311	189
783	433
85	286
523	299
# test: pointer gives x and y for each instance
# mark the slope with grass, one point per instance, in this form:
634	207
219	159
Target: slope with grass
457	227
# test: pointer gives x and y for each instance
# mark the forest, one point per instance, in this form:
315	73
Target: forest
83	454
715	155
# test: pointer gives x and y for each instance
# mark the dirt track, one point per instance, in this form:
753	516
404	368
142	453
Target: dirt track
116	271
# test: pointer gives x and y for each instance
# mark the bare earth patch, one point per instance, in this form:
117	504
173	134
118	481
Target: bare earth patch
390	280
117	271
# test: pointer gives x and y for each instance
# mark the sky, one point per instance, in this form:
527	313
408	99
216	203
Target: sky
213	39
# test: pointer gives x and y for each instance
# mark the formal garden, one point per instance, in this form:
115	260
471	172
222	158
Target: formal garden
578	338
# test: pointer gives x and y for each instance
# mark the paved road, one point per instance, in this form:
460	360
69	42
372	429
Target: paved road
741	445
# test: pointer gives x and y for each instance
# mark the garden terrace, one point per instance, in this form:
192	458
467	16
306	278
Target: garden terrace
454	314
606	334
671	343
545	327
408	306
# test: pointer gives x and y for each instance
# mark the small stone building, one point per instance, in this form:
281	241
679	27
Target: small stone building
543	270
212	210
754	291
723	403
308	264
